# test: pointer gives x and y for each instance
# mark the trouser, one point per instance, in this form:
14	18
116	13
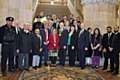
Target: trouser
116	61
30	59
40	61
45	54
95	61
72	55
25	57
36	60
108	56
62	55
7	52
16	60
53	60
81	56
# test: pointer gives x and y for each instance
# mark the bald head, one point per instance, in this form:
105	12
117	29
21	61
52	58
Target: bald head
17	23
26	26
61	25
82	26
116	28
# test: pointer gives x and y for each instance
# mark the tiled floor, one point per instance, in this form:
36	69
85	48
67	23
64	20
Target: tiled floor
104	74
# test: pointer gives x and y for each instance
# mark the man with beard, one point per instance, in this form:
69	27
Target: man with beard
7	38
115	48
106	42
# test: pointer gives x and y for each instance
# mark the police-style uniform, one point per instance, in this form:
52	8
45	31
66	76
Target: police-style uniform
7	35
38	24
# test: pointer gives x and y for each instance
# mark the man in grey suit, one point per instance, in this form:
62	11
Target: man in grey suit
82	45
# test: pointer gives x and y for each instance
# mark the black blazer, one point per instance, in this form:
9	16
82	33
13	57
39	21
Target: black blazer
54	25
24	42
116	43
71	22
105	41
73	39
36	45
63	38
83	40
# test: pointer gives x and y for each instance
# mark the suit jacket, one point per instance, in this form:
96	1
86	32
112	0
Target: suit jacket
116	43
36	45
51	42
83	40
63	38
24	42
62	21
71	21
105	41
73	40
42	32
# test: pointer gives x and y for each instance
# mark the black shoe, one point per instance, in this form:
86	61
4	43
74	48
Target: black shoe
20	70
60	64
27	70
78	66
82	67
38	66
110	71
115	73
4	73
34	68
45	64
104	69
11	70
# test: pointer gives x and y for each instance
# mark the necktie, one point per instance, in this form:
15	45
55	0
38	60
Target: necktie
108	38
76	29
46	32
80	33
56	25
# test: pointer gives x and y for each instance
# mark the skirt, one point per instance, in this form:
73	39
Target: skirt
53	53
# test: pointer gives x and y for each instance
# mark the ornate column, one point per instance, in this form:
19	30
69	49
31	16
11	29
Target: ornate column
99	13
19	9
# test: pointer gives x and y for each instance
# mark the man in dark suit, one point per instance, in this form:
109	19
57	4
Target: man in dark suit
7	38
71	20
54	18
24	47
56	25
106	42
115	48
63	36
17	29
44	33
77	28
64	19
82	45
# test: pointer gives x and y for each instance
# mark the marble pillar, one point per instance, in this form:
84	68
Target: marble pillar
99	13
19	9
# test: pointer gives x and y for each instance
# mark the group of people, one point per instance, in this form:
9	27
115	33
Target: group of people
51	37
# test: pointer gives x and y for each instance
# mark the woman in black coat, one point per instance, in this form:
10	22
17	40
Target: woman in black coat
72	39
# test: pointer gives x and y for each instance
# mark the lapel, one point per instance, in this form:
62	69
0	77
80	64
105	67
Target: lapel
81	35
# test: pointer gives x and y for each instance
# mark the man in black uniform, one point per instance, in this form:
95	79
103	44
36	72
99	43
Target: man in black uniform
7	34
38	24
